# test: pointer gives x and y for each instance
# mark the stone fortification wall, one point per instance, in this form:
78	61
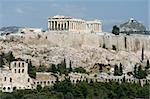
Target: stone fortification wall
77	40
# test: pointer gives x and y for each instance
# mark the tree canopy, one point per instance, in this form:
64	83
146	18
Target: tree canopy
115	30
82	90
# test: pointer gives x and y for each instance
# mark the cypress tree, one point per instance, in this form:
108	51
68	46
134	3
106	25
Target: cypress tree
120	70
31	70
147	65
142	55
53	68
135	71
116	70
70	66
141	73
1	61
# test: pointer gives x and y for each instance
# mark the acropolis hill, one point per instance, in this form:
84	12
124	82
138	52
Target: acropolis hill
82	48
77	43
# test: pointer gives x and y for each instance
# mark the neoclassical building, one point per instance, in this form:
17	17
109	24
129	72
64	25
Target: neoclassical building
69	24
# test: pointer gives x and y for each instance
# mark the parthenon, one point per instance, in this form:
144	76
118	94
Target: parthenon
64	23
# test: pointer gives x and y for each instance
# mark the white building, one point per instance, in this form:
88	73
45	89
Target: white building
15	77
30	30
69	24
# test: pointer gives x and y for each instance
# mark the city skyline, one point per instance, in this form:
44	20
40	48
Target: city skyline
35	13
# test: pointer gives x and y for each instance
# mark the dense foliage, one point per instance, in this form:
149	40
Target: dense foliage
115	30
1	61
8	57
31	70
139	72
118	71
62	69
83	90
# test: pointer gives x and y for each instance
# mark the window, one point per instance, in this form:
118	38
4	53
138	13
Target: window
22	70
15	64
19	71
19	64
48	82
5	79
28	79
15	70
22	64
4	88
8	88
45	82
10	79
14	88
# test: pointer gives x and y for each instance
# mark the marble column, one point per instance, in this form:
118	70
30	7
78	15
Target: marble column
64	27
60	25
54	25
70	25
48	25
57	25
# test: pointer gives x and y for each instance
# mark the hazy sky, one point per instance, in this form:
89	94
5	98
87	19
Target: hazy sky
34	13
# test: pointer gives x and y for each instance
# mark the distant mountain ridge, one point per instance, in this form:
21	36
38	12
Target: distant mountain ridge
132	25
12	29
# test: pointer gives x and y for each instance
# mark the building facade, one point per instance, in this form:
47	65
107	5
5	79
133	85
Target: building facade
15	77
69	24
30	30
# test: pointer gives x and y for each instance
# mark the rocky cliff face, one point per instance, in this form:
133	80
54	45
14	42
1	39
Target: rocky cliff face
82	49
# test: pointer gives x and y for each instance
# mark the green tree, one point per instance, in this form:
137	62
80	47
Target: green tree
69	95
114	47
60	95
8	96
64	86
79	70
1	61
142	55
70	66
31	70
147	65
115	30
41	68
116	70
39	88
53	68
120	70
141	73
9	57
135	71
61	68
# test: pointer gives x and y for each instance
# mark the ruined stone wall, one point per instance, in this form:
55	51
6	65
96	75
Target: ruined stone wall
76	40
128	43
